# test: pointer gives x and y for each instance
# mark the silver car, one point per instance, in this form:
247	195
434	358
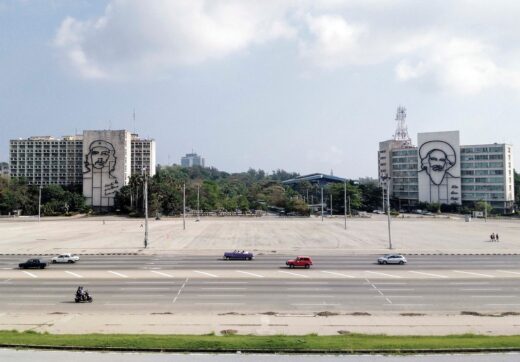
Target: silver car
392	259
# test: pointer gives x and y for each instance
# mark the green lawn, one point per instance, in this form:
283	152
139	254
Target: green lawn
346	343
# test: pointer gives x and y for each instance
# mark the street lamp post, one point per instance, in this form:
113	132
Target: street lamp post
345	204
322	203
386	182
145	193
331	204
184	206
39	202
198	202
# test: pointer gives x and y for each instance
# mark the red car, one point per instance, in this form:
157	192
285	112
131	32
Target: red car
300	261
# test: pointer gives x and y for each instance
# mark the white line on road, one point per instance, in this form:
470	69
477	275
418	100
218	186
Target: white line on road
223	283
315	304
383	274
161	273
180	290
207	274
118	274
219	303
73	274
31	304
295	274
30	274
470	283
508	271
338	274
429	274
397	289
472	273
249	273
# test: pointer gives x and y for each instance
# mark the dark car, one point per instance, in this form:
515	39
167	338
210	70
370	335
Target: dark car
299	261
238	255
33	264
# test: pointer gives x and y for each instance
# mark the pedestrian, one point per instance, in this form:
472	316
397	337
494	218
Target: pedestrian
492	237
496	237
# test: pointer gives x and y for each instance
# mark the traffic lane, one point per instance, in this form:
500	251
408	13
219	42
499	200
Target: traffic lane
268	262
266	295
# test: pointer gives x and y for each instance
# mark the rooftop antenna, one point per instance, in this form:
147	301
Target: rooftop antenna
134	121
401	131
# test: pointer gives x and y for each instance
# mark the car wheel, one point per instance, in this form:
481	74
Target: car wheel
291	266
54	261
249	258
70	261
401	262
385	262
307	266
42	267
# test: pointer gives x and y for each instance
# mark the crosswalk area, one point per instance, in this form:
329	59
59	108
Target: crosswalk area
281	273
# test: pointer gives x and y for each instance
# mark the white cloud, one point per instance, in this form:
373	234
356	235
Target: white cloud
412	39
152	36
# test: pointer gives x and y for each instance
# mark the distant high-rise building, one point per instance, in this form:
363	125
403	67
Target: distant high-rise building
192	159
4	169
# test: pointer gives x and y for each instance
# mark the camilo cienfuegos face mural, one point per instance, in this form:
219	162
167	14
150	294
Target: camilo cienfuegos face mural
437	159
100	163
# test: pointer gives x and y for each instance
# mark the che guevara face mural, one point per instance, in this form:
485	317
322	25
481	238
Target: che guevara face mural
100	163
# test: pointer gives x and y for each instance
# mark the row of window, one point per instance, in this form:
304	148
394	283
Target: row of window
411	152
481	149
404	160
403	180
482	157
483	188
482	172
483	196
483	180
405	166
405	187
482	165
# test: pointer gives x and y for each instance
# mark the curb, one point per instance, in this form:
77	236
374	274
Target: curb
54	254
264	351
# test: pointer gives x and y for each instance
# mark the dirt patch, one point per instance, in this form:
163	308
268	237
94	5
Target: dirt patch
478	314
269	313
161	313
231	313
343	332
412	314
358	313
228	332
326	314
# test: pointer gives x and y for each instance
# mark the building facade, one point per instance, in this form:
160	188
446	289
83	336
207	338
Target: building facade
440	170
192	159
4	169
100	161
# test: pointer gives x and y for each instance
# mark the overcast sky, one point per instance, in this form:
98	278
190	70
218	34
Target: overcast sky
305	86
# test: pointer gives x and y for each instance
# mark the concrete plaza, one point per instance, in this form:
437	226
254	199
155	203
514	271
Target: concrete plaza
210	235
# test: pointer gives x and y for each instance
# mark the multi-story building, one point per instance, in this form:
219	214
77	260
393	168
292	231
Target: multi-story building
101	161
143	155
192	159
440	170
4	169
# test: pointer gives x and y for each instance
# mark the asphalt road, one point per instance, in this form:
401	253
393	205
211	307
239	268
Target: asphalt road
205	283
264	262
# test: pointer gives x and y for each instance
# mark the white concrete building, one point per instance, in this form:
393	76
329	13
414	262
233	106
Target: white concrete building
192	159
101	161
440	170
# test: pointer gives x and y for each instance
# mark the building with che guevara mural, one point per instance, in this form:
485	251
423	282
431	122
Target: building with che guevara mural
102	161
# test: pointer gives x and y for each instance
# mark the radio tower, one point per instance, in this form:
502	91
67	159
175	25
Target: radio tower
401	132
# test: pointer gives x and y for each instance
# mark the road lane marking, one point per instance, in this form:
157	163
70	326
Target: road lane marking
379	291
397	289
249	273
219	303
507	271
118	274
180	290
479	290
31	304
221	295
73	274
30	274
315	304
472	273
429	274
295	274
161	273
338	274
207	274
218	288
383	274
221	283
497	304
470	283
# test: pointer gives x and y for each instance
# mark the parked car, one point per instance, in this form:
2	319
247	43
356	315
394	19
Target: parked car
33	264
299	261
238	255
378	212
65	258
392	259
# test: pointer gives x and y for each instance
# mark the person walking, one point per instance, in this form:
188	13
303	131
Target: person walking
492	237
496	237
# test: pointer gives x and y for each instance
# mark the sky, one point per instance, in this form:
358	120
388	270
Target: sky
305	86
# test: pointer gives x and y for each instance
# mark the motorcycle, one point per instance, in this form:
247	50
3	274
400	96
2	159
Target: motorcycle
83	296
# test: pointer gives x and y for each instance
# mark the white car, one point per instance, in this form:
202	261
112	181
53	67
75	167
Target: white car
392	259
65	258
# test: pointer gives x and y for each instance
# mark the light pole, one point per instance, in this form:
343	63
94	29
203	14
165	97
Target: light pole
322	203
345	204
39	202
184	206
386	181
198	202
145	193
331	204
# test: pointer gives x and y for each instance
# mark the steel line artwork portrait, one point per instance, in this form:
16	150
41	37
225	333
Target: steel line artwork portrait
100	162
437	159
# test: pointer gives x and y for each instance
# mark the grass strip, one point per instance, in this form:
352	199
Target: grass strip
350	343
